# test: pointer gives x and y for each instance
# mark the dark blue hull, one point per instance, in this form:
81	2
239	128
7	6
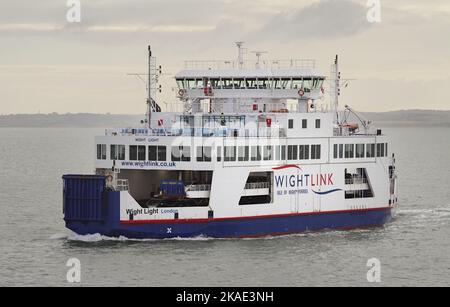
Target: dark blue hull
230	227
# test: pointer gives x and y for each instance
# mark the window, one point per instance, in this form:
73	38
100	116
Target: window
315	152
278	153
304	152
386	150
283	152
291	124
101	152
204	154
370	151
153	153
118	152
292	152
268	153
304	123
360	150
162	153
317	123
380	150
341	151
349	151
335	151
137	153
230	153
219	154
243	153
256	153
181	153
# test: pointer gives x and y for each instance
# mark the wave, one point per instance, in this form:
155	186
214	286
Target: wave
94	238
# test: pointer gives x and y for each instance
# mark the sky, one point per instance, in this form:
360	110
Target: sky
50	65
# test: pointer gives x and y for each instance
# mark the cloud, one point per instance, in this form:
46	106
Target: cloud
325	19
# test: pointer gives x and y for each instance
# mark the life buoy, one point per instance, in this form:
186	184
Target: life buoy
181	92
301	93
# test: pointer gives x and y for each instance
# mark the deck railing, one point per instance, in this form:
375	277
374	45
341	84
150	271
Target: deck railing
263	64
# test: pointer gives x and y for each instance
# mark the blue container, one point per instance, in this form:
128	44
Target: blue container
172	188
84	198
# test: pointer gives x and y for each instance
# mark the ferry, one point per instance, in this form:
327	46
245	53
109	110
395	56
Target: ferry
250	148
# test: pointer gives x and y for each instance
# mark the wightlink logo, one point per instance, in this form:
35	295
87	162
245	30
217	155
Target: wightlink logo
303	183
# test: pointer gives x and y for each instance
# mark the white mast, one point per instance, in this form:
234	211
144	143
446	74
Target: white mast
153	73
336	86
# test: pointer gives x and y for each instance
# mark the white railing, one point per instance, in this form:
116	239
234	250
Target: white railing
263	64
356	181
207	187
198	188
257	185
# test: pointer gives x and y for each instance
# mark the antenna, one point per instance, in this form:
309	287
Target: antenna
258	56
336	86
153	74
240	54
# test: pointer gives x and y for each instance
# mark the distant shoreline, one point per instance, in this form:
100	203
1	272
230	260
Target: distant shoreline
405	118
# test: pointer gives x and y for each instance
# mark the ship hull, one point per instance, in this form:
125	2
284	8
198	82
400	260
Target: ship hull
239	227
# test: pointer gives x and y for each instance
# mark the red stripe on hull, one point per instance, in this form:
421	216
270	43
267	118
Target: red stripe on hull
187	221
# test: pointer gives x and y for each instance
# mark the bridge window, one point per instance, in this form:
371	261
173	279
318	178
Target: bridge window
315	152
349	151
118	152
239	83
386	148
360	150
137	153
304	152
263	83
277	84
244	153
317	83
292	152
101	152
286	83
297	83
307	85
317	123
